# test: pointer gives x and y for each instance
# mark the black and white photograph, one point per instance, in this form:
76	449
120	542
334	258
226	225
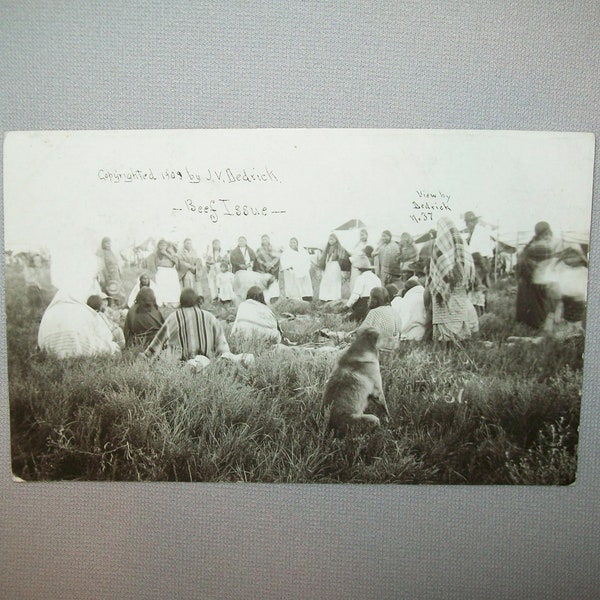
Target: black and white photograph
379	306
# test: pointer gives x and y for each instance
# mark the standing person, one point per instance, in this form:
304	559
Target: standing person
295	264
143	319
408	252
214	257
242	258
267	261
533	301
386	259
357	251
189	331
451	272
165	262
364	283
37	281
481	246
382	317
109	272
189	267
331	281
225	284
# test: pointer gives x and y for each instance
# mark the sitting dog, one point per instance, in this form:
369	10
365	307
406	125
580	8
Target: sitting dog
355	380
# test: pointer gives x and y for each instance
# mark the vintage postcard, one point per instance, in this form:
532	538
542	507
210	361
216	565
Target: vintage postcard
296	306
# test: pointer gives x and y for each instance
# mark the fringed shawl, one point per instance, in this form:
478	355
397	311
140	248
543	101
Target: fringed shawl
451	262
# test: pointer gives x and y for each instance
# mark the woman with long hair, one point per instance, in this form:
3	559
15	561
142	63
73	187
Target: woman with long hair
143	319
267	261
331	281
166	262
295	264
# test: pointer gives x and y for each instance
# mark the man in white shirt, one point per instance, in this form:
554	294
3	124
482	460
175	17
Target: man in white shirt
410	305
364	283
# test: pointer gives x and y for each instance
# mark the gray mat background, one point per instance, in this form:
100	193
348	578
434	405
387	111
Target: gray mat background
428	64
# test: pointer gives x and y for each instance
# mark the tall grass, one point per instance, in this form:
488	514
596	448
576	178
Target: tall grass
502	414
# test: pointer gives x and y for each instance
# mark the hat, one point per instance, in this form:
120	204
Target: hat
362	263
470	216
419	266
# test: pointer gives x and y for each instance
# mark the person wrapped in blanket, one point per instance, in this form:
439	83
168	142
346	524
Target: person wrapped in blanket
70	328
143	320
189	332
451	272
533	301
255	318
100	304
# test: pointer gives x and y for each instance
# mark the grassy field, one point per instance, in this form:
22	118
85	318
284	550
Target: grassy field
119	418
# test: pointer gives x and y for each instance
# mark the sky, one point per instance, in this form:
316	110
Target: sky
64	191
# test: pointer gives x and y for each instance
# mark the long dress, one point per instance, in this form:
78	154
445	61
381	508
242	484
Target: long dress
295	265
533	303
267	262
214	258
451	318
331	281
225	286
167	283
190	270
109	274
451	273
167	278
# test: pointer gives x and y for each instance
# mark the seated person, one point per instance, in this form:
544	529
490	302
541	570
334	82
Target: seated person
189	331
254	317
70	328
410	308
364	283
100	304
143	319
382	317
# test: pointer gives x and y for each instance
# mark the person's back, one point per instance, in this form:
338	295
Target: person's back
71	328
411	312
387	322
255	318
190	331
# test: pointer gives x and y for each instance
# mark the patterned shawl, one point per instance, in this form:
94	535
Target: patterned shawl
451	262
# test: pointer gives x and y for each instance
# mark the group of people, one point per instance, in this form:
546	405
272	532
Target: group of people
425	299
437	292
168	271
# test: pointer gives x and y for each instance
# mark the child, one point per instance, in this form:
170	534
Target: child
225	284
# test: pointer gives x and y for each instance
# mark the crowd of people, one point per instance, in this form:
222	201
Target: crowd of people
436	293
